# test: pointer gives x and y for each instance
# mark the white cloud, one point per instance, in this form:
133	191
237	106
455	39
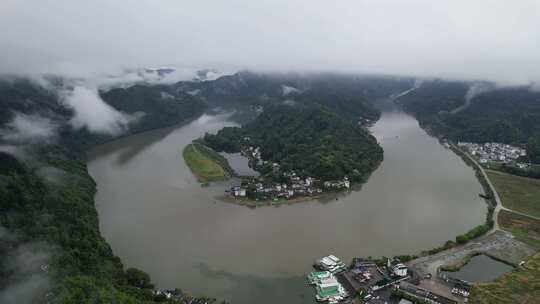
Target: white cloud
91	112
25	128
289	90
15	151
25	266
129	77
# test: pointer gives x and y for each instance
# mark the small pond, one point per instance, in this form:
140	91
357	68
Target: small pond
480	268
240	164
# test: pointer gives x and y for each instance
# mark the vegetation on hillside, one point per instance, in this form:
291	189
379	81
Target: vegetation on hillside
152	106
312	141
60	213
206	164
158	105
49	202
347	95
508	115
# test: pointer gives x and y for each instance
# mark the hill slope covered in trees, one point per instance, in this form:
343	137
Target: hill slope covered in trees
507	115
312	141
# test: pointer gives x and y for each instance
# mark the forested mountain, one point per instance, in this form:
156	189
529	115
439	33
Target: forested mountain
508	115
47	213
348	95
149	107
312	141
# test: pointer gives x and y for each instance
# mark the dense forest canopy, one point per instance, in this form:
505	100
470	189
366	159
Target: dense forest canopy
57	212
313	141
348	95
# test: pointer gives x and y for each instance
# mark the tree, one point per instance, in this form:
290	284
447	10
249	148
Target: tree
138	278
533	148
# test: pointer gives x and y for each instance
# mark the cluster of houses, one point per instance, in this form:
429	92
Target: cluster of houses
496	152
295	186
461	292
292	184
379	282
373	282
253	153
335	282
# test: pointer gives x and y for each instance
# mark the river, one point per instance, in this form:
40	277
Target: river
158	218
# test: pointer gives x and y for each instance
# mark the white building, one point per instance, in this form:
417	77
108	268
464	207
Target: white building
398	268
239	192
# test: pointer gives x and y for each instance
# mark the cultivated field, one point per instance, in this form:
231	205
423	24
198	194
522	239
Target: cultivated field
518	193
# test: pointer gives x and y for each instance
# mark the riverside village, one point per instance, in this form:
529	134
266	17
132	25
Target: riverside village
379	282
290	184
496	152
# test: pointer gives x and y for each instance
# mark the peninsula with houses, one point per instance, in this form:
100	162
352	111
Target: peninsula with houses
299	152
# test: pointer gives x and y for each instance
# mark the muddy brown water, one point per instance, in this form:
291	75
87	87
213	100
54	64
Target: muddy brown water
158	218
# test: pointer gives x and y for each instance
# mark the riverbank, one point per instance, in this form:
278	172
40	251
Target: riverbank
497	244
491	195
517	243
324	197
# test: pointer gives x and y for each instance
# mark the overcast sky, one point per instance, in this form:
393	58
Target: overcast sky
497	40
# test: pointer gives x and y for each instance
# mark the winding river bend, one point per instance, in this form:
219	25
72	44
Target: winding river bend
156	216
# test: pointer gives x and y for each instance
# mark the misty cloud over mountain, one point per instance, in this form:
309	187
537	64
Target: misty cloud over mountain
28	129
491	40
93	113
26	265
